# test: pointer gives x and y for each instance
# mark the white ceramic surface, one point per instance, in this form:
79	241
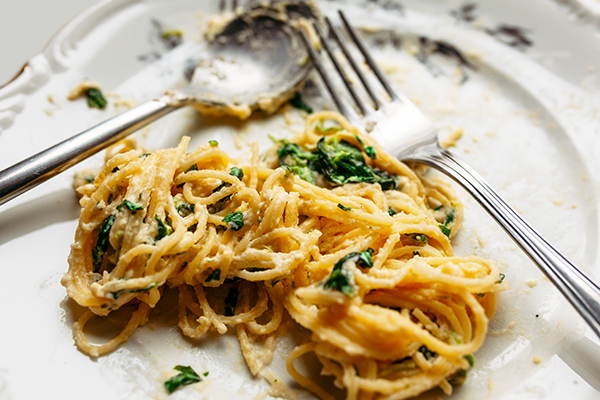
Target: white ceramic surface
530	121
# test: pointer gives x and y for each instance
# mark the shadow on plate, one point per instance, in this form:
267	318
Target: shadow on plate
52	208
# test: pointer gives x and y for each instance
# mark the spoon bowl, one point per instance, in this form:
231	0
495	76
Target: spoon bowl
255	61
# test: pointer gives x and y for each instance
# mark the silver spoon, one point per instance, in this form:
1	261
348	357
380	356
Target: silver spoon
255	61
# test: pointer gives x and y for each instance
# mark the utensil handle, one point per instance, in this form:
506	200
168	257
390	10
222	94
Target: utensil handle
581	292
36	169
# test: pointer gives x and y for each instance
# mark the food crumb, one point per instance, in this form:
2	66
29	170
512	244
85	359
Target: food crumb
49	113
537	360
558	202
50	99
531	283
512	324
451	139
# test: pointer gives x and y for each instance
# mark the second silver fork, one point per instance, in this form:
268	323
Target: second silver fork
404	131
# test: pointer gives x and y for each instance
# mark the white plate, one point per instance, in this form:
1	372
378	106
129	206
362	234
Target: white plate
530	120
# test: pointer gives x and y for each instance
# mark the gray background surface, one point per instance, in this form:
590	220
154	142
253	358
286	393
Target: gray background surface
27	25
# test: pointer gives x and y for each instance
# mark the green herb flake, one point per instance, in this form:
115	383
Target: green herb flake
215	275
102	241
391	211
445	230
427	353
234	220
501	278
110	198
299	103
340	278
416	253
300	161
186	376
170	33
326	131
193	167
231	302
343	207
151	286
237	172
371	152
343	163
205	374
417	238
185	209
449	217
470	359
213	143
130	206
163	229
95	98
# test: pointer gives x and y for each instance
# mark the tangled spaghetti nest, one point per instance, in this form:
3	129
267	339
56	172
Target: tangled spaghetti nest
369	272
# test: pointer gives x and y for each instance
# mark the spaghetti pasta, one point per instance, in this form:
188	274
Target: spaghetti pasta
350	242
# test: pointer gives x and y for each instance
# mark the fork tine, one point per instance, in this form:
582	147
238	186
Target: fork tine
234	5
350	59
370	62
316	59
222	5
339	69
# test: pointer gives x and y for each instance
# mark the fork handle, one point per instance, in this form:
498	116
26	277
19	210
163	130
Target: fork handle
581	292
42	166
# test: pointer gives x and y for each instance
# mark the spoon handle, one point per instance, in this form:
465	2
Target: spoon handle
38	168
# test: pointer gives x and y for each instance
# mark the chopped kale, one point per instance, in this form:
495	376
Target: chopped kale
215	275
343	207
326	131
416	253
115	169
450	217
95	98
205	374
185	209
427	353
231	302
213	143
163	229
102	241
130	206
470	359
501	278
186	376
299	103
340	278
371	152
446	231
391	211
342	163
237	172
151	286
300	161
235	220
417	238
193	167
110	198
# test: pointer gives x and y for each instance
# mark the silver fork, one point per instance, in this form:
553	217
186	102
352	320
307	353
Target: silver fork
403	130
